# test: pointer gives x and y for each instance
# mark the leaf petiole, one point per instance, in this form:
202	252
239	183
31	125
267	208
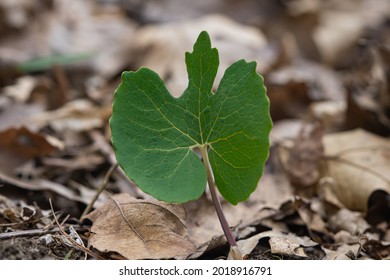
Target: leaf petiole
217	204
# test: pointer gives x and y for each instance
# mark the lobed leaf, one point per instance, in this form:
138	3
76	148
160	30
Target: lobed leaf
154	134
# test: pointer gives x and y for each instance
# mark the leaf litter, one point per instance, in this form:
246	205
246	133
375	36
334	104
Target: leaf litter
310	204
140	229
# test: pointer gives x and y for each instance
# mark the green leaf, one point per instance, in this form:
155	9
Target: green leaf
155	135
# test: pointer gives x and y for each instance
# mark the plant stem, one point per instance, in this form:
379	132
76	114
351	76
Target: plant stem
217	204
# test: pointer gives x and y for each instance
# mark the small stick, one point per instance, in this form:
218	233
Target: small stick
77	245
30	232
99	191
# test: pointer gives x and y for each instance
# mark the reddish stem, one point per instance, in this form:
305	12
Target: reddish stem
217	204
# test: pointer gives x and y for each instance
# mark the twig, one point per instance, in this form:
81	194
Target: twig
40	184
69	238
63	85
99	191
30	232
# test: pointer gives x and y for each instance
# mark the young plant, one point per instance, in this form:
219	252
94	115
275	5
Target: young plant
171	146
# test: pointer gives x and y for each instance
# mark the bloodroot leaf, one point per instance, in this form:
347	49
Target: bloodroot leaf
155	134
140	229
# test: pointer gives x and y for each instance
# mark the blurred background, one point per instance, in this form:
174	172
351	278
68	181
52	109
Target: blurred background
326	65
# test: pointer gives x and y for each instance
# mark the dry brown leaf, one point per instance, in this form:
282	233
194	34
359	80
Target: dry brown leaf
358	164
28	144
22	89
215	245
293	88
18	145
280	243
302	165
344	252
321	82
15	114
286	129
330	113
347	220
377	249
140	229
311	217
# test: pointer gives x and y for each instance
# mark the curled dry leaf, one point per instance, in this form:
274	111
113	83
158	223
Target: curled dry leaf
358	163
140	229
28	144
344	252
18	145
349	221
280	243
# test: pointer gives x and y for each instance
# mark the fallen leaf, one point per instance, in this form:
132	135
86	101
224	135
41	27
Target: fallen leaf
18	145
22	89
280	243
302	165
212	249
358	163
330	113
328	87
377	249
293	88
347	220
286	129
18	214
28	144
140	229
311	217
343	252
367	84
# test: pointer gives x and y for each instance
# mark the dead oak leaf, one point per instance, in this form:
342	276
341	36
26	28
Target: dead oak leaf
140	229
